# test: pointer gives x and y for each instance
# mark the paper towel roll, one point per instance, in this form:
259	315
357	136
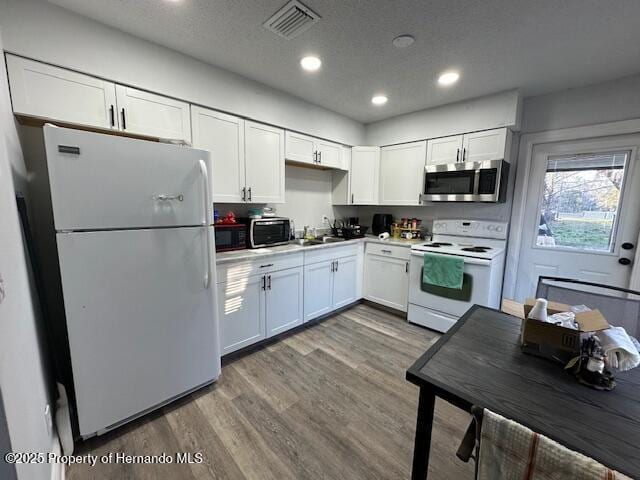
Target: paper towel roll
384	235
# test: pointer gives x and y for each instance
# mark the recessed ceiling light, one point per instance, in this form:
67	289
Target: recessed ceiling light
448	78
379	99
403	41
311	63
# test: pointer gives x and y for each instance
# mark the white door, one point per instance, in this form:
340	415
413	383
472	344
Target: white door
345	278
54	93
487	145
318	288
142	325
300	148
402	173
223	136
329	154
444	150
582	213
103	181
284	300
364	175
149	114
241	310
264	159
386	281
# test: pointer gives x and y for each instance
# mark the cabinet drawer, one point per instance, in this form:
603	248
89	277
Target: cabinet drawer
394	251
246	268
330	253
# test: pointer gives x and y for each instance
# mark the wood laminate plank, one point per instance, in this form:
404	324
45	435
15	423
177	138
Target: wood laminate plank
329	402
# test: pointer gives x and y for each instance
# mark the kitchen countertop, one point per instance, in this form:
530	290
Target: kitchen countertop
249	254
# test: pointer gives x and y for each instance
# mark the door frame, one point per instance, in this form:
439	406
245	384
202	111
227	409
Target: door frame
522	178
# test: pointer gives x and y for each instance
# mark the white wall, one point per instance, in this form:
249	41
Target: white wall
483	113
600	103
46	32
23	377
307	197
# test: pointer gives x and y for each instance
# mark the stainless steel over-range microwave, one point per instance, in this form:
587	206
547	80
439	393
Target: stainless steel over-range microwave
466	182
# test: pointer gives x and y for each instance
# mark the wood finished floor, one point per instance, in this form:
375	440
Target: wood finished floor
330	402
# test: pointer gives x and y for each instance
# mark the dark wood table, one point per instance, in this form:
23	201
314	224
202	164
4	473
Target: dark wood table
479	362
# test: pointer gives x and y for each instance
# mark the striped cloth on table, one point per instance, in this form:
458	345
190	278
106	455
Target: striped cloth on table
511	451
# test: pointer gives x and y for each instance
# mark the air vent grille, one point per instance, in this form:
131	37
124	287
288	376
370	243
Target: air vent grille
291	20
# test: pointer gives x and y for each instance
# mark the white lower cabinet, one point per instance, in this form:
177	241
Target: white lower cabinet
345	281
252	308
284	300
386	276
329	285
318	289
241	312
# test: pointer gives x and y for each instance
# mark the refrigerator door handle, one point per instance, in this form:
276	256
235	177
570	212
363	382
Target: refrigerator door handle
205	223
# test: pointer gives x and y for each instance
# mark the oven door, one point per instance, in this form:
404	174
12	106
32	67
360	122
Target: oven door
265	233
452	302
465	182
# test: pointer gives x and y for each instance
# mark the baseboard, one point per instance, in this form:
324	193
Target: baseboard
384	308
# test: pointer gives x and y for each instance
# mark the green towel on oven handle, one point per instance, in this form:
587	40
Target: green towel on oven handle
443	270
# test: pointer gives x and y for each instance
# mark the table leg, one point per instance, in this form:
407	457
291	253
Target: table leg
422	443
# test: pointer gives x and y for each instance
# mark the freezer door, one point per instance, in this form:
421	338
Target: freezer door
101	181
141	319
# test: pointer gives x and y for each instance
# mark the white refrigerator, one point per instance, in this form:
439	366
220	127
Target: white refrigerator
137	262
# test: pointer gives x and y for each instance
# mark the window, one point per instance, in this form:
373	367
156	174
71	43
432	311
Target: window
581	200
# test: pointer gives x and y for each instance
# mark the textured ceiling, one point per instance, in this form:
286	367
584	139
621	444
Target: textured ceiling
535	45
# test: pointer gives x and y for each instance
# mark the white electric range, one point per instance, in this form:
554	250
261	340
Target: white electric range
482	246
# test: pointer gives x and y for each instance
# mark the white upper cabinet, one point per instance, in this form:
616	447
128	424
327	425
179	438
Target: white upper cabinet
402	173
444	150
470	147
487	145
364	175
264	163
300	148
149	114
330	154
223	136
47	92
313	151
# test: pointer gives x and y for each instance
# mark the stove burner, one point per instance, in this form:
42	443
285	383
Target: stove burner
476	249
438	244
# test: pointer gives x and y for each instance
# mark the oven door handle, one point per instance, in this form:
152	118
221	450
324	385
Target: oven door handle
469	260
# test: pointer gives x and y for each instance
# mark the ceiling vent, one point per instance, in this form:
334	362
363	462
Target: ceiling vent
291	20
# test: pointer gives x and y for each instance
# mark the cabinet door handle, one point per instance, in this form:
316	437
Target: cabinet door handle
269	287
112	116
406	267
320	157
264	282
124	120
458	155
249	194
337	264
267	265
315	156
464	153
244	194
386	251
352	199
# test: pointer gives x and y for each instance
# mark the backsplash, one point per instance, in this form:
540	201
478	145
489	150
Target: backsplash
307	198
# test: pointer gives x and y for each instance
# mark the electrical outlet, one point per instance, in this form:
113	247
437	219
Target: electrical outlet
325	220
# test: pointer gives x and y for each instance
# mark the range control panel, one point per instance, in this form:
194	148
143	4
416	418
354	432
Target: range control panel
471	228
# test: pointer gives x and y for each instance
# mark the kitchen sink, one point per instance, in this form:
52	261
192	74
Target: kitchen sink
318	241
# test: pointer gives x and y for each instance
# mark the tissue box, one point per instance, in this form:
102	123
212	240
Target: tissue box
553	341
